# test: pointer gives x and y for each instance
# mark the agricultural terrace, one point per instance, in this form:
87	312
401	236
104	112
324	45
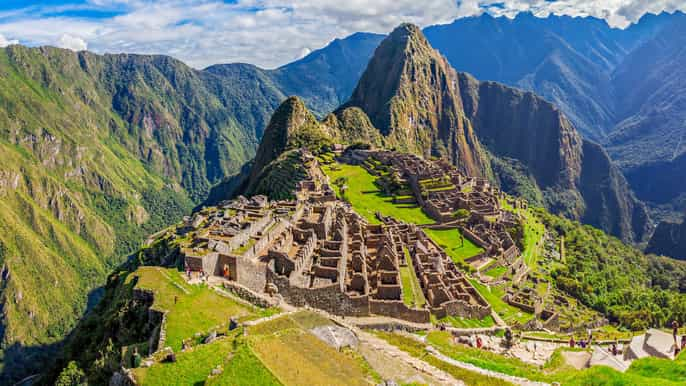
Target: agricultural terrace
534	230
366	198
190	309
293	354
647	371
494	295
455	245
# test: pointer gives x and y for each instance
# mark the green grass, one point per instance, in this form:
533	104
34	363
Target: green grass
366	198
496	272
648	372
239	364
449	240
458	322
412	291
417	350
533	239
494	296
297	357
198	309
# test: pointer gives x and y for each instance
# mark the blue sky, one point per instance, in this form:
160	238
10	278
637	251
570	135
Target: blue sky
267	33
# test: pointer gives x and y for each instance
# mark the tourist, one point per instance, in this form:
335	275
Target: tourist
613	349
572	343
582	343
675	329
683	342
479	342
176	299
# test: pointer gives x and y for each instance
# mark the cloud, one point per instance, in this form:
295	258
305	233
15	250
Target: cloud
73	43
267	33
4	42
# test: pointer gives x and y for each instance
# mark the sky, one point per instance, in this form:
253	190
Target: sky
268	33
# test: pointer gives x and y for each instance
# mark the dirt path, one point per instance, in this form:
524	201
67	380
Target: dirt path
392	363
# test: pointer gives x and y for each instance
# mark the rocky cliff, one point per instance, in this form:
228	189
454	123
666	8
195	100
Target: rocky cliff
410	94
575	175
669	239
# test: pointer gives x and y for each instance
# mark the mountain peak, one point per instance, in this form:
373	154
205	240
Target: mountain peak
410	94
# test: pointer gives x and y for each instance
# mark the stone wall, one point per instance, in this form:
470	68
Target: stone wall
398	309
248	295
252	274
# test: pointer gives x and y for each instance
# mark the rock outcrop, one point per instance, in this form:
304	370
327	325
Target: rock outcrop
410	93
669	239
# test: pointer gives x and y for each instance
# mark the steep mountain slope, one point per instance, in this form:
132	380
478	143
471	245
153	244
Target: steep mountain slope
409	93
576	176
669	239
96	153
569	61
566	60
651	86
277	163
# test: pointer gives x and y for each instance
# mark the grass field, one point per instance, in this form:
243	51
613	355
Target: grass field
239	363
366	198
417	349
494	296
647	371
297	357
449	240
412	291
496	272
191	308
458	322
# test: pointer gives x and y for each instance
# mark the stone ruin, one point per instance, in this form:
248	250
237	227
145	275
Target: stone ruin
316	251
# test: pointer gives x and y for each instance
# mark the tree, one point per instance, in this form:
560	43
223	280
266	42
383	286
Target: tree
71	375
461	214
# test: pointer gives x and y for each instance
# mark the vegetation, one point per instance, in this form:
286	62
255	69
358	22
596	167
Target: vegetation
630	288
367	199
413	295
417	350
642	372
454	243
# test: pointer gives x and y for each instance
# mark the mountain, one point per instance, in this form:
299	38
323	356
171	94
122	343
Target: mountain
100	150
575	175
324	78
409	93
420	104
669	239
97	152
620	87
651	88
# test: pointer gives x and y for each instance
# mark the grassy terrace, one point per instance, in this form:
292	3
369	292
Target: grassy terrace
494	296
412	291
417	350
191	308
458	322
366	198
237	360
450	241
296	357
647	371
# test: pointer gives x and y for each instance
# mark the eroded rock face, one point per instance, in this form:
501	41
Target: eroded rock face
669	239
410	93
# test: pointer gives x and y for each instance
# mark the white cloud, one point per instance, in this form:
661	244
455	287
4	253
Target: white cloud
4	42
73	43
270	32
